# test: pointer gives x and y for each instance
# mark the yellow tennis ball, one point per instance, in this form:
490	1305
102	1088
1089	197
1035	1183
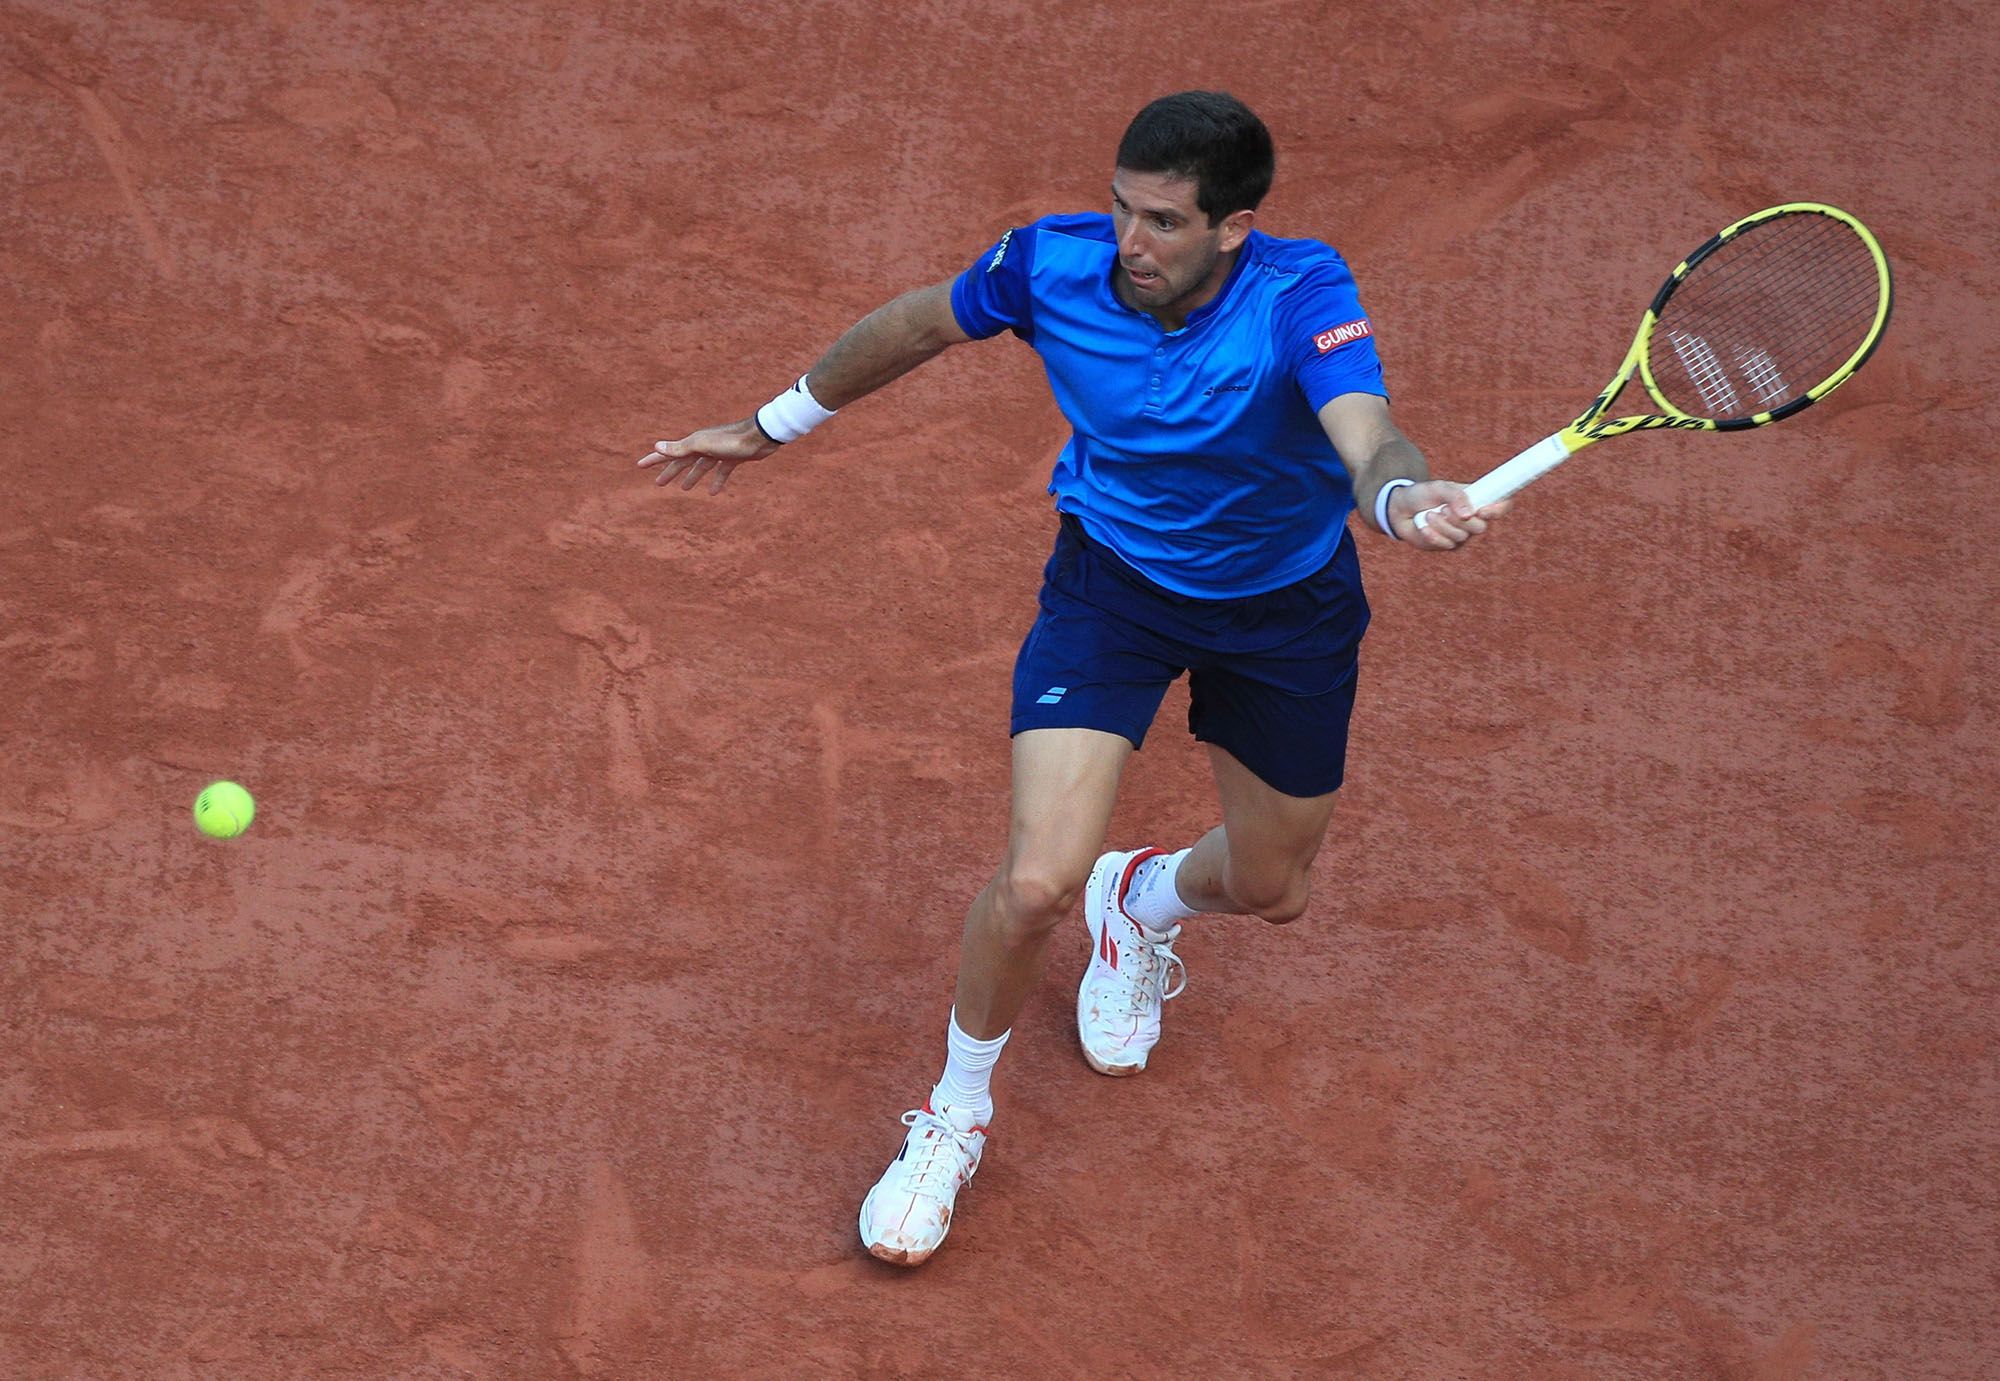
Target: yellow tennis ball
223	810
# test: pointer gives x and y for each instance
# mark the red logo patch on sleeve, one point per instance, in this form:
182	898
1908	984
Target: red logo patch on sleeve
1336	336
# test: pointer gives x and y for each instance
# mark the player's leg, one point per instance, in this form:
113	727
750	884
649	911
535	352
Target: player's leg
1275	719
1256	862
1065	785
1086	687
1279	758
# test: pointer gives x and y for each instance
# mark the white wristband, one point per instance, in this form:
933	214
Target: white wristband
1382	505
791	414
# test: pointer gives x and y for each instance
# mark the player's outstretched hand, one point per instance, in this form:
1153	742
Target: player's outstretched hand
1453	523
712	449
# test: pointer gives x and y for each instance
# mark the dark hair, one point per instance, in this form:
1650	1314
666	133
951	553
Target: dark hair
1210	137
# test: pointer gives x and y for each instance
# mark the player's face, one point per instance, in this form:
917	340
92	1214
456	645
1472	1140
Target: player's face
1170	259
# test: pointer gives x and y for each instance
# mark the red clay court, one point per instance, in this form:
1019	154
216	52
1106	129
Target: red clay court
601	910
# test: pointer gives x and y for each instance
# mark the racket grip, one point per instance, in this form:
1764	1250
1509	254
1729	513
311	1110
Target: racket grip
1510	477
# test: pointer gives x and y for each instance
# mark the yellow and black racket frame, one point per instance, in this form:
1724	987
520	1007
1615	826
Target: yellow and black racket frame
1588	428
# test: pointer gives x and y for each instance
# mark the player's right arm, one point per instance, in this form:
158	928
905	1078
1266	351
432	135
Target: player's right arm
886	344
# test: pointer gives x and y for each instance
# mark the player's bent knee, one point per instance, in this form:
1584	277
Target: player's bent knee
1034	899
1286	911
1280	901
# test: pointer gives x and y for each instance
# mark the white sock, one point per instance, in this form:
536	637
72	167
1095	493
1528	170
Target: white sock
1152	900
968	1072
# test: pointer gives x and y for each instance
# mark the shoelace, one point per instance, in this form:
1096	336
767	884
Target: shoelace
1156	968
937	1163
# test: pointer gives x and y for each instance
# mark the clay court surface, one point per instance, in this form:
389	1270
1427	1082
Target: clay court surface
601	911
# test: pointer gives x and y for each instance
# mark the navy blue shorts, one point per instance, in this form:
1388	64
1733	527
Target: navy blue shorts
1271	675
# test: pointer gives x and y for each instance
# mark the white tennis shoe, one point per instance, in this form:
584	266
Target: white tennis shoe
908	1212
1130	975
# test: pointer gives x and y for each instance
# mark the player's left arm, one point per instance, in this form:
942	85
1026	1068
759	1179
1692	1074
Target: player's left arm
1376	452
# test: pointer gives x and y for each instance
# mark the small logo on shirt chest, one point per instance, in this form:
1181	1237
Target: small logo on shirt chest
1214	389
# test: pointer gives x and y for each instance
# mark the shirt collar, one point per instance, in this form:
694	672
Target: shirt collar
1214	304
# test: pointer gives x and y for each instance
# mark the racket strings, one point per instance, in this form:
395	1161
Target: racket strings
1766	318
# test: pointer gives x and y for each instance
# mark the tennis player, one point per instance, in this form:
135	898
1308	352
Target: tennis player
1229	413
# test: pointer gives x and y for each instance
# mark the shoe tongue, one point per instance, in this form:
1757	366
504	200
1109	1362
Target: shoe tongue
960	1118
1158	936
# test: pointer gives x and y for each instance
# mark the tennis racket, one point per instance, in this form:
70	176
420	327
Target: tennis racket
1757	325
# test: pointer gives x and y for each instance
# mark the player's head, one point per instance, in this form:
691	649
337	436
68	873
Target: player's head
1191	169
1208	138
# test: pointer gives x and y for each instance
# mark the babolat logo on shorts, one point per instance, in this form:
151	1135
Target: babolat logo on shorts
1000	251
1336	336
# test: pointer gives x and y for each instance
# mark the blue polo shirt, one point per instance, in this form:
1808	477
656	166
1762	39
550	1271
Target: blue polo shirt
1197	455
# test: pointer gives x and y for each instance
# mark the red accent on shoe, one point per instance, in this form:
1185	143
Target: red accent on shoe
1125	882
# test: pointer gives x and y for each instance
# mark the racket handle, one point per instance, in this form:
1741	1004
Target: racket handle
1510	477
